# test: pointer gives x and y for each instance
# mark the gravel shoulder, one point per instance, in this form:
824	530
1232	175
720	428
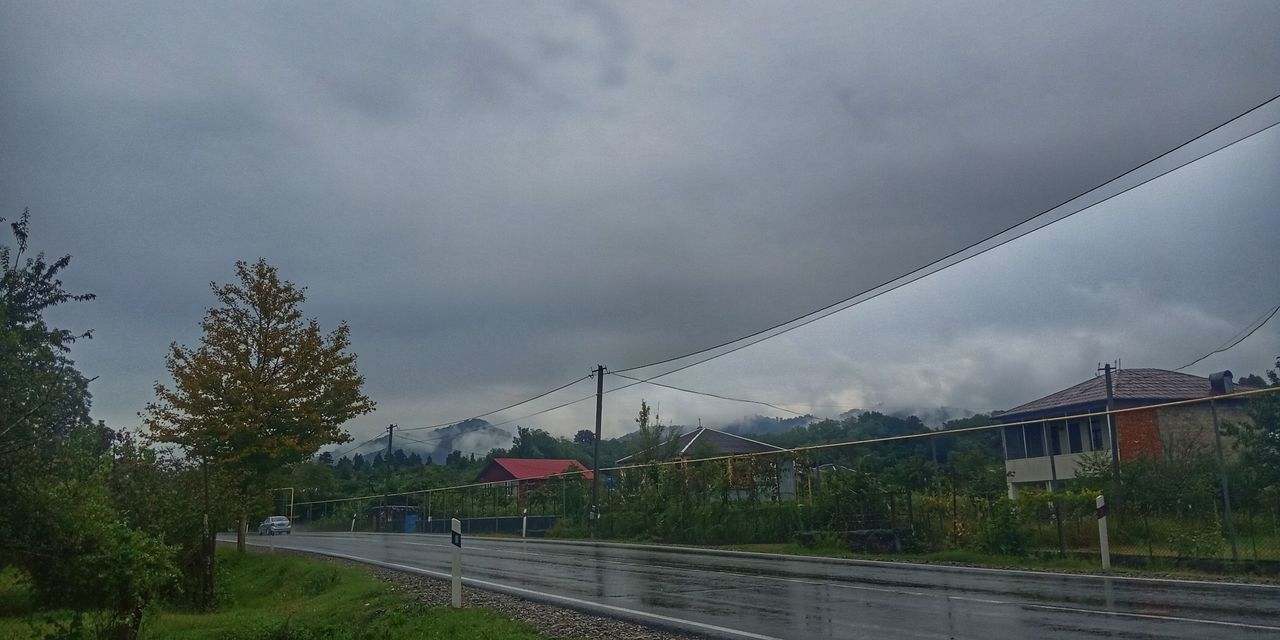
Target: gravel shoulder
555	622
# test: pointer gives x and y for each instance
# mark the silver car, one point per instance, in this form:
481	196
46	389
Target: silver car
275	524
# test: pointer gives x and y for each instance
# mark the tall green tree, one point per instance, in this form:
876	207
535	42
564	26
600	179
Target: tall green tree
1260	442
265	388
653	441
58	523
42	395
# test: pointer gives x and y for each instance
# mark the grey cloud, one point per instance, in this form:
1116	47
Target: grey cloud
498	197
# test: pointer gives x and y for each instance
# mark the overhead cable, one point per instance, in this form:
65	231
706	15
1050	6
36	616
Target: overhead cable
705	393
924	270
1256	324
510	406
914	276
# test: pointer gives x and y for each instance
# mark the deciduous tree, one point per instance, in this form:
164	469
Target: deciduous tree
265	387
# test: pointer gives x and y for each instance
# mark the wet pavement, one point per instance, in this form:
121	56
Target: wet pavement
753	596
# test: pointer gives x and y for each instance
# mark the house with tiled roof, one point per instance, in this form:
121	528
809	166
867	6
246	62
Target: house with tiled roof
1048	442
524	474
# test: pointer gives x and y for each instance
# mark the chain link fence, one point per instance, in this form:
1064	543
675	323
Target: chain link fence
948	494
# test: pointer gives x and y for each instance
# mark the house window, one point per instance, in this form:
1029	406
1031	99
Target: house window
1015	449
1096	425
1074	441
1055	437
1035	440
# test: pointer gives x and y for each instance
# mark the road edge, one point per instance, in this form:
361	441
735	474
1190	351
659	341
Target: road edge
635	616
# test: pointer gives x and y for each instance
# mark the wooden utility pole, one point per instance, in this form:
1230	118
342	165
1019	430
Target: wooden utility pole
386	464
595	457
1111	434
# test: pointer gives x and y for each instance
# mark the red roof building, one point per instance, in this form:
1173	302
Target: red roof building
522	469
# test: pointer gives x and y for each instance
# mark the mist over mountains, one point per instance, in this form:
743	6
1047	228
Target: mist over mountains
933	417
479	437
469	436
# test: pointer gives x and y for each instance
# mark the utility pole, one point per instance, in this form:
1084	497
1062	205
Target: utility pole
386	464
1111	434
595	457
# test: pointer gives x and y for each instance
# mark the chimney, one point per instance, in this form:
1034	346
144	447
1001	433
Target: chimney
1220	383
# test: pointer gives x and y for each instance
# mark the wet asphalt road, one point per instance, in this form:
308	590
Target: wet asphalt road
760	596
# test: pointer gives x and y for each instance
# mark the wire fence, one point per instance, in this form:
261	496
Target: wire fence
1197	484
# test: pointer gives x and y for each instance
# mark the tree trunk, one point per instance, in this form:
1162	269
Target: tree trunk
241	531
208	546
209	570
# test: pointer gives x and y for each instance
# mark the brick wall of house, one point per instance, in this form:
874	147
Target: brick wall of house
1188	429
1139	434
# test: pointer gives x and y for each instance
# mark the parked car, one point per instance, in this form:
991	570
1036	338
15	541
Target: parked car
275	524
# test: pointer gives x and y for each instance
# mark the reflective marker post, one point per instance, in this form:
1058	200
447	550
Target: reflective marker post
524	524
1102	532
456	538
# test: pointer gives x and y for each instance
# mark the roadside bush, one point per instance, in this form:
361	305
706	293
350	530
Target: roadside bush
1196	542
1002	531
82	556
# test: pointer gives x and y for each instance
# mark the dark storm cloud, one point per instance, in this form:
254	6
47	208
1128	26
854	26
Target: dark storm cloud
497	198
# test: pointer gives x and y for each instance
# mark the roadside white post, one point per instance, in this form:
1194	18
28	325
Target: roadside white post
1103	545
353	523
456	538
524	523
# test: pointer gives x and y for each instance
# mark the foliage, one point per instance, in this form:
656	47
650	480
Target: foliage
42	396
1259	443
61	524
1002	532
1199	542
264	389
653	441
267	596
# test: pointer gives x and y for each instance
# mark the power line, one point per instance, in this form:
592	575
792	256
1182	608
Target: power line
941	433
547	410
708	394
339	456
510	406
1235	341
920	273
967	248
885	287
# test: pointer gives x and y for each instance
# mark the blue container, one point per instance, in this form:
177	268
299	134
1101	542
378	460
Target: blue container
410	523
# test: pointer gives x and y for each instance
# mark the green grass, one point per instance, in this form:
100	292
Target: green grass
282	596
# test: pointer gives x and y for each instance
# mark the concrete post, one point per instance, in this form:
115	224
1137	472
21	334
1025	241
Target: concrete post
1103	544
457	563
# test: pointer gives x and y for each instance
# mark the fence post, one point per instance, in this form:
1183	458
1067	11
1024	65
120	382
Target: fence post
1053	481
1222	478
1103	544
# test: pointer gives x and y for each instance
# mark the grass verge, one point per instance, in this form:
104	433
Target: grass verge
284	597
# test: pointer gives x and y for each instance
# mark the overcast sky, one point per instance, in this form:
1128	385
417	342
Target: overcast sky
497	197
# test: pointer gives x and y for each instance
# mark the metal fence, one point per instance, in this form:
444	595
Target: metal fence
1194	486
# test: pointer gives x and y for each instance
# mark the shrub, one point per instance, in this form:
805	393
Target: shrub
1002	532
